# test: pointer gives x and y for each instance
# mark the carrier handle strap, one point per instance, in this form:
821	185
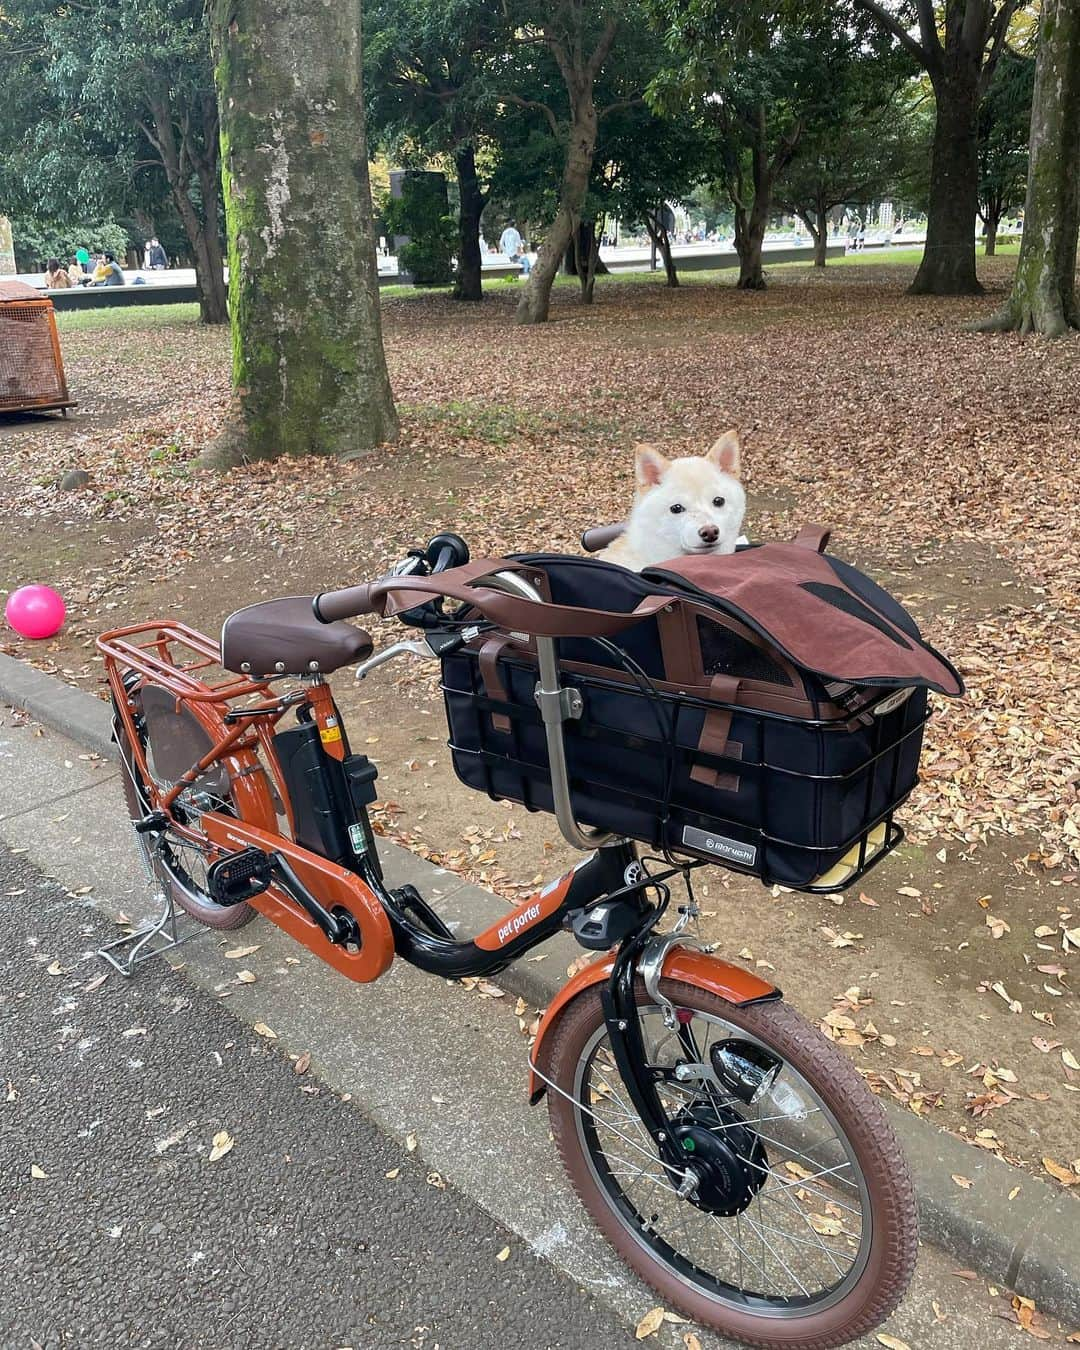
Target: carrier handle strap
492	681
393	595
714	736
814	536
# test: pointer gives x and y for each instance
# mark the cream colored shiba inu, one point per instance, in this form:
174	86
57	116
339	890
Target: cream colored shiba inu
682	506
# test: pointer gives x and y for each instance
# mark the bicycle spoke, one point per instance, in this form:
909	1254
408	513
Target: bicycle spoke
770	1251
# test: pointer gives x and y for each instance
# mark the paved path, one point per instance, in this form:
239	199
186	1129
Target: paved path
282	1247
295	1238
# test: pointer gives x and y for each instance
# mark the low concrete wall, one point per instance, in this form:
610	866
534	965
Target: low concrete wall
107	297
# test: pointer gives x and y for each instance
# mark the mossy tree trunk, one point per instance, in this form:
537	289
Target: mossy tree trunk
1043	298
309	371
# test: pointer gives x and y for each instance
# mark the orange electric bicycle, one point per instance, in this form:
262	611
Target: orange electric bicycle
728	1151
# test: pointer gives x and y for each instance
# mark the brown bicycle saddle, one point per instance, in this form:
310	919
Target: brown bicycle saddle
283	637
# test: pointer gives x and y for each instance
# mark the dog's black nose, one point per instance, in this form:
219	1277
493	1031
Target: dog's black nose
709	533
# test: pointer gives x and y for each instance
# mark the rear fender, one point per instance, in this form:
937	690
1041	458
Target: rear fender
731	983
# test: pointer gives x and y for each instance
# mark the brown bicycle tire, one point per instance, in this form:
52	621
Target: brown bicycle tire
894	1234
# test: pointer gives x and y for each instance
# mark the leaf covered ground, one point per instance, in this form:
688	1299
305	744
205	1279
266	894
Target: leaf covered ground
944	460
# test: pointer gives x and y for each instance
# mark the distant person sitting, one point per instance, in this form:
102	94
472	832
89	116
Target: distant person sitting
512	245
75	272
156	258
112	272
56	276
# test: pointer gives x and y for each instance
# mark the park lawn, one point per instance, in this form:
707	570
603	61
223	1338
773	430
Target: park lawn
945	460
135	317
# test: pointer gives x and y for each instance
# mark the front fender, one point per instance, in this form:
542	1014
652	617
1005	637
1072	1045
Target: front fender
731	983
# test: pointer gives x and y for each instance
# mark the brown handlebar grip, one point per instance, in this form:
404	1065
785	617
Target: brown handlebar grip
592	541
344	604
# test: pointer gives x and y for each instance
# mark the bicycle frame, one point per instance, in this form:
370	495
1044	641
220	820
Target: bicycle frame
246	748
340	908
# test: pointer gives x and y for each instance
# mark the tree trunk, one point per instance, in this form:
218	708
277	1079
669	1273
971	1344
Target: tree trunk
467	281
992	221
750	238
821	237
1043	298
657	232
210	278
585	245
309	371
948	261
179	156
535	302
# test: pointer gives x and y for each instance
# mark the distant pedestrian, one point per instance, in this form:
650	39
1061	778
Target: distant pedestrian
513	246
156	257
82	257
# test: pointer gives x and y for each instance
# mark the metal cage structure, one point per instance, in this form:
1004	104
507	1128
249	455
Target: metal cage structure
31	367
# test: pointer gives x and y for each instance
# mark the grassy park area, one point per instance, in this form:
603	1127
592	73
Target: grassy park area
944	459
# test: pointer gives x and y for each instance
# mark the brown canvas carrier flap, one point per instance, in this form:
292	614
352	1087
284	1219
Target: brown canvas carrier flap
791	595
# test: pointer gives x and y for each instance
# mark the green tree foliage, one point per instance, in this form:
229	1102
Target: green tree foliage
762	81
36	241
429	68
868	147
420	213
1004	122
116	91
648	163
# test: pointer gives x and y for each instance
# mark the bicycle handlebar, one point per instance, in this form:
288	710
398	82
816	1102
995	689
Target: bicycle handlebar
599	536
344	604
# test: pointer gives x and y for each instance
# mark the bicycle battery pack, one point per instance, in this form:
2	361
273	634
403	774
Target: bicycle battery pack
329	797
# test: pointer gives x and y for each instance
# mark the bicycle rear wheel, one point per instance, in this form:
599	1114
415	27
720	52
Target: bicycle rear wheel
802	1230
172	861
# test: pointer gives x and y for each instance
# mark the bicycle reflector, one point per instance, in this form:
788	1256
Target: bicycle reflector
238	876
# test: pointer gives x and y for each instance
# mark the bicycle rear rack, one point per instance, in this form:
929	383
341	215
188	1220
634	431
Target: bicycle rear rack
156	659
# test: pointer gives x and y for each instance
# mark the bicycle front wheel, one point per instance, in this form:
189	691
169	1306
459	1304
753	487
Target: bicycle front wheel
801	1229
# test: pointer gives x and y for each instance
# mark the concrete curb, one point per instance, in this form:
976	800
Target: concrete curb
1027	1243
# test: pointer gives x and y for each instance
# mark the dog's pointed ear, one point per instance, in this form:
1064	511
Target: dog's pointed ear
726	453
650	466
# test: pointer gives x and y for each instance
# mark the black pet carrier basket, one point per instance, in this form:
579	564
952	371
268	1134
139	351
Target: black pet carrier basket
764	710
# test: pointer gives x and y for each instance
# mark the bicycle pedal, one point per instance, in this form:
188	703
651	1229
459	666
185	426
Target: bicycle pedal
239	876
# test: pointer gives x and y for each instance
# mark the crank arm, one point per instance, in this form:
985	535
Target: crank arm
338	929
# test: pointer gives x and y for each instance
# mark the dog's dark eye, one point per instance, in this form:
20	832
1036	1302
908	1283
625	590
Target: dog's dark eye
677	508
718	501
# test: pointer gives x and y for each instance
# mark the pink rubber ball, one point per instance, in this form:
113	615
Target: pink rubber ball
35	611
